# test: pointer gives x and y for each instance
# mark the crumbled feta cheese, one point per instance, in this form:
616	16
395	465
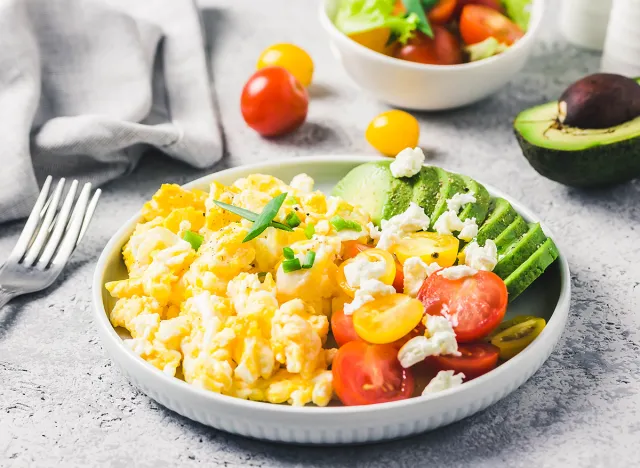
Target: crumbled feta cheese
361	269
407	163
374	232
302	182
457	272
415	272
412	220
447	223
481	258
444	380
439	339
369	290
469	229
459	200
453	319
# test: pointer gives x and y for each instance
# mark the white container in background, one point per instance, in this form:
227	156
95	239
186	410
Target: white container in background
622	45
584	22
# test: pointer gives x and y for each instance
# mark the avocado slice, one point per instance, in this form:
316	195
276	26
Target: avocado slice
516	229
450	185
480	208
426	187
373	187
578	157
530	270
501	215
516	253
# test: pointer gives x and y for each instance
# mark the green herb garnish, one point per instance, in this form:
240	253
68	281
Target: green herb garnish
266	217
309	259
251	216
194	239
288	253
417	7
309	230
290	265
342	224
292	219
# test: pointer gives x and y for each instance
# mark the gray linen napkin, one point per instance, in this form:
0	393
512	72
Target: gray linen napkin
87	85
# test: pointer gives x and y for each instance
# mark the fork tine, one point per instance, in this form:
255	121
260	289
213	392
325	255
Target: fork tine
32	223
89	214
35	248
61	223
75	225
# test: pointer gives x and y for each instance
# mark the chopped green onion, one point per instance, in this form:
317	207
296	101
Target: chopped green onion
194	239
292	219
262	275
309	259
309	230
288	253
342	224
250	215
417	7
264	220
291	200
290	265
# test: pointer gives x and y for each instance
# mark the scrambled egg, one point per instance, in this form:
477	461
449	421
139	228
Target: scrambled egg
227	317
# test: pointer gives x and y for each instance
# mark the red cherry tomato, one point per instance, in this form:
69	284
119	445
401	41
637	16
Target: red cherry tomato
352	248
365	374
443	49
342	328
477	302
442	11
476	359
398	282
478	22
273	102
495	4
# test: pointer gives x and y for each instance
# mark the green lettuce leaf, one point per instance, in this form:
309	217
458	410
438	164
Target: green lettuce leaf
357	16
485	49
519	11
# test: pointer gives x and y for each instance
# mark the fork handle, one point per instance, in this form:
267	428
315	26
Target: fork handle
5	296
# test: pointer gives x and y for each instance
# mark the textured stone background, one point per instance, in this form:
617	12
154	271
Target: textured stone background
62	402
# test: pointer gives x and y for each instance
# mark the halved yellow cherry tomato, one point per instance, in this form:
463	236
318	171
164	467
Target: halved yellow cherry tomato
376	39
514	339
429	246
371	255
393	131
388	318
290	57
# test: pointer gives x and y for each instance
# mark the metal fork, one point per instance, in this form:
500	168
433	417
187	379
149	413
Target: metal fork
48	239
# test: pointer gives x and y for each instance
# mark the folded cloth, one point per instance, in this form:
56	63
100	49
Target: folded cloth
87	85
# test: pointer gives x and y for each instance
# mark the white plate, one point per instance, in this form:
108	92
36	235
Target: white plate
548	297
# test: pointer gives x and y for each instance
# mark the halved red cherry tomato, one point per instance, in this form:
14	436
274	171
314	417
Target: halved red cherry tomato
495	4
365	374
442	11
273	102
478	22
443	49
478	303
476	359
342	328
352	248
398	282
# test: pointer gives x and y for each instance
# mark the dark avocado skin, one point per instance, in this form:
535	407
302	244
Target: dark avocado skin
594	167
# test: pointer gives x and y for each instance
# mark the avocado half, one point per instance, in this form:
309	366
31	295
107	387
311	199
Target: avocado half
578	157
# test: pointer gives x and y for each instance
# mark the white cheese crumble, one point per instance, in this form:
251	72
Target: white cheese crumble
444	380
369	290
459	200
439	339
415	272
481	258
407	163
448	223
453	319
469	229
302	182
374	232
361	269
457	272
412	220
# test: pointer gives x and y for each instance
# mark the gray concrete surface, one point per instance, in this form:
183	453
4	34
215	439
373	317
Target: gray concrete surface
63	403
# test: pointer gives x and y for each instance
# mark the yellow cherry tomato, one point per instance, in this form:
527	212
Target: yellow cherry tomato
429	246
291	57
388	318
508	324
514	339
371	255
393	131
376	40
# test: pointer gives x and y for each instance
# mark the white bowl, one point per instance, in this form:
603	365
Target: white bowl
428	87
548	297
